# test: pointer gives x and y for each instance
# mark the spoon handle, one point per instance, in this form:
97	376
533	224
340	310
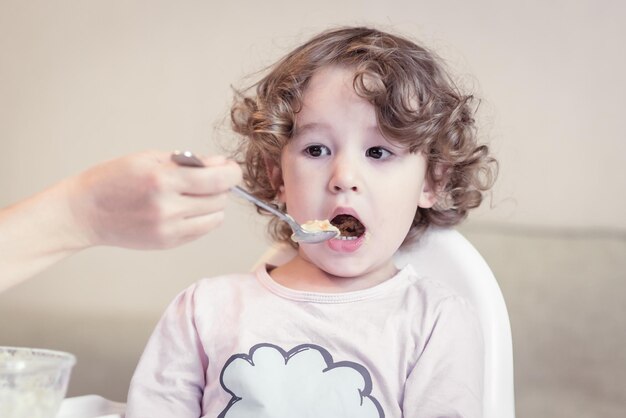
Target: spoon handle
188	159
260	203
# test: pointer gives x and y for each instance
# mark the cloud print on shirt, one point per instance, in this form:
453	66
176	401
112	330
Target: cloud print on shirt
270	382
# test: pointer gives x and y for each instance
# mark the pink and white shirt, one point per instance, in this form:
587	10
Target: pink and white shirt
242	345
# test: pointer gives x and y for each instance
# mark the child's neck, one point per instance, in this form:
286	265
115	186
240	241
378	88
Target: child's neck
301	274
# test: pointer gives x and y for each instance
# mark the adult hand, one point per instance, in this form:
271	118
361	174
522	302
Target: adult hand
141	201
145	201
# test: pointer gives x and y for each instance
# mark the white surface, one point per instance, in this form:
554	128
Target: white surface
444	254
91	406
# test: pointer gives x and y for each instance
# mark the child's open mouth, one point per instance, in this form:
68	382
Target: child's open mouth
349	226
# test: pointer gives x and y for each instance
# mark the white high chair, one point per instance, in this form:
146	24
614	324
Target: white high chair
444	254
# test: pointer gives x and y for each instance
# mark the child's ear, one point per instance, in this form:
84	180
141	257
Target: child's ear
428	196
431	189
275	175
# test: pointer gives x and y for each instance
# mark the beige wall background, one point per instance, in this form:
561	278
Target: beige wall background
84	81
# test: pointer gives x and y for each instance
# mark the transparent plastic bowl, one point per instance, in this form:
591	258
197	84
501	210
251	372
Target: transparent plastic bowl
33	381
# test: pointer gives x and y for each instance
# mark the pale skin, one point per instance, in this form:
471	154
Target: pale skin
357	172
141	201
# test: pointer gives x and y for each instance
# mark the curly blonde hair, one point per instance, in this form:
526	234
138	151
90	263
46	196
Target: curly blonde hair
417	106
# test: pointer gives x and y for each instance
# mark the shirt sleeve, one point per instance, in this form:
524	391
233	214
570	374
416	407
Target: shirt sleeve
170	378
447	380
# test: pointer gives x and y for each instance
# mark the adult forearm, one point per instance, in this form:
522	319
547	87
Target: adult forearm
36	233
140	201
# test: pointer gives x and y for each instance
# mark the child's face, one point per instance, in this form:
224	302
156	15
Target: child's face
339	163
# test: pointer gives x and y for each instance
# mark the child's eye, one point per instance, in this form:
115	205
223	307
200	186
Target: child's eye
316	150
377	153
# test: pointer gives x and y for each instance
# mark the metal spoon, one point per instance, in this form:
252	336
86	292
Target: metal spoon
188	159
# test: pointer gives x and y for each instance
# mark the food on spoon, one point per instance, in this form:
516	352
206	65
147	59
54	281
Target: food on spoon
349	226
319	226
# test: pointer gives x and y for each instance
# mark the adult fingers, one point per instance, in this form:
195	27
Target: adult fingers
191	206
198	226
218	177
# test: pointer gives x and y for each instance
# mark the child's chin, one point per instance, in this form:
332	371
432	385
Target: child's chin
346	269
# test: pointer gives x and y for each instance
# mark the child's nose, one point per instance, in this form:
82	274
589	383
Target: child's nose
345	177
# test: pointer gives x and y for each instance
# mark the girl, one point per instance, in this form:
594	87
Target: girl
365	129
